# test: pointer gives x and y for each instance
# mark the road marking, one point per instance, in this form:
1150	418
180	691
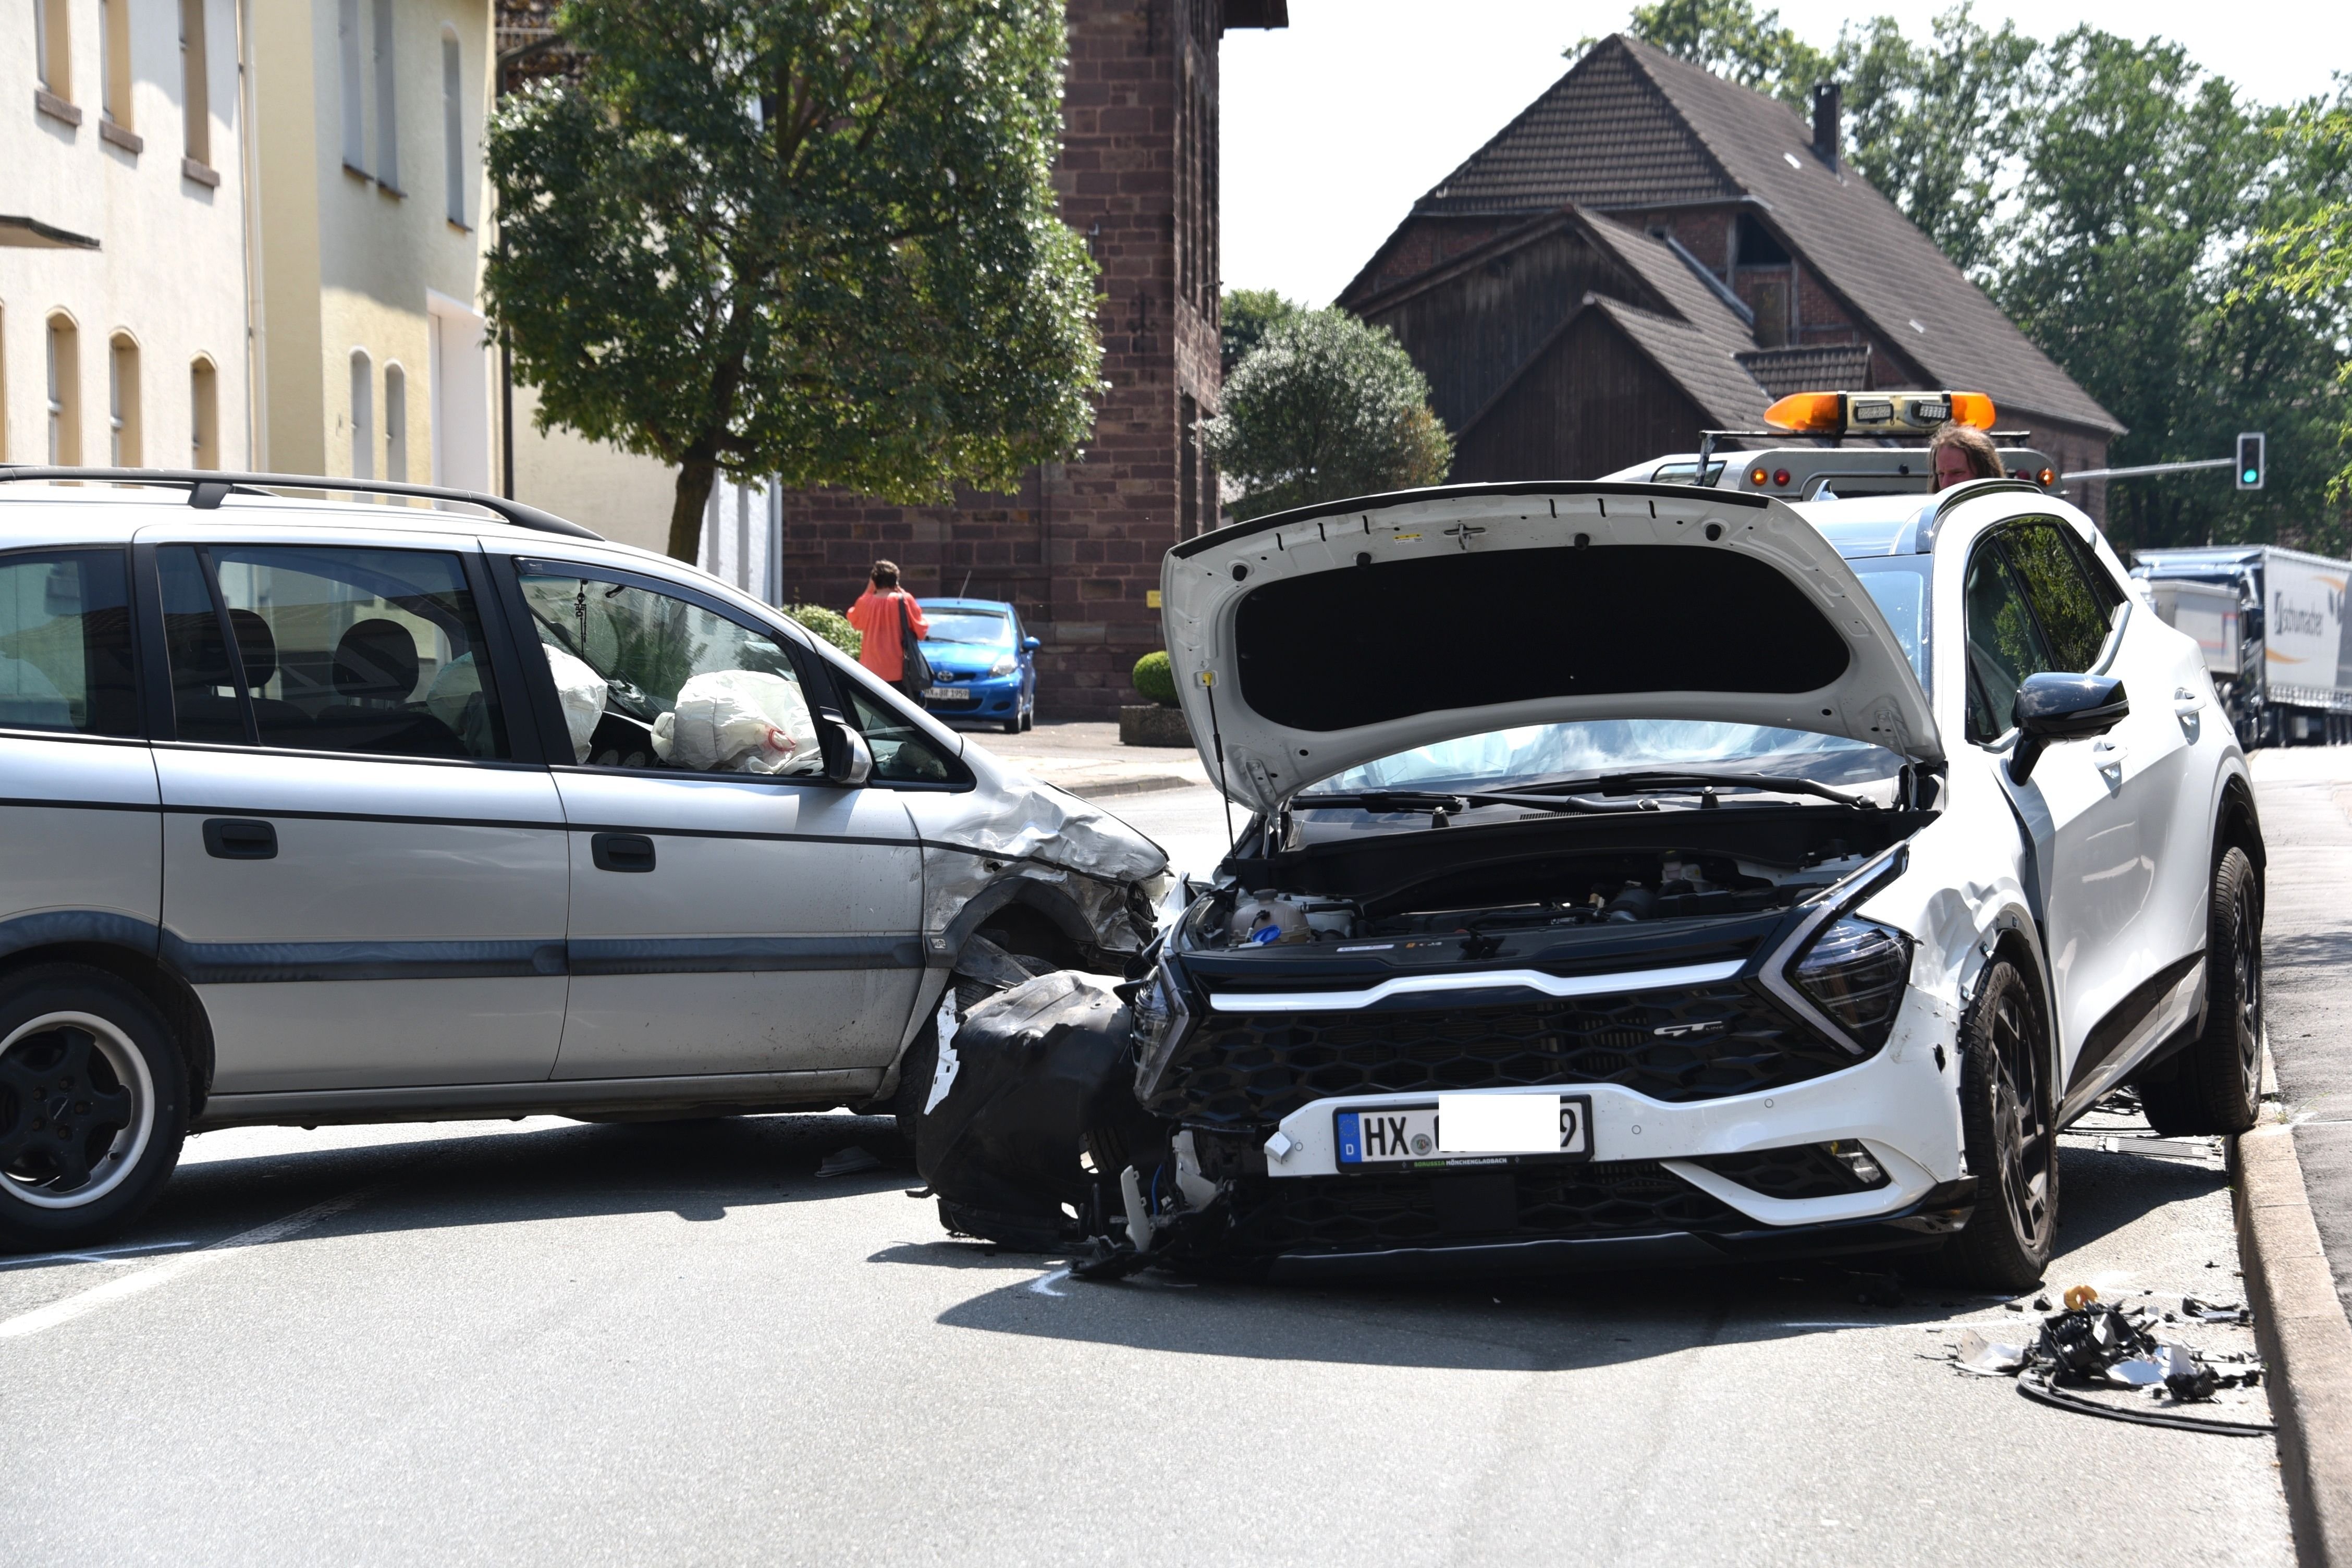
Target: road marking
103	1254
163	1272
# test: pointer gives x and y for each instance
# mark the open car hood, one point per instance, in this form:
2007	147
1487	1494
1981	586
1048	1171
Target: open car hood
1314	640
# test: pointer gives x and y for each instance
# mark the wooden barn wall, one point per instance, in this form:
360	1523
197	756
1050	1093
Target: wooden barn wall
1470	333
1591	404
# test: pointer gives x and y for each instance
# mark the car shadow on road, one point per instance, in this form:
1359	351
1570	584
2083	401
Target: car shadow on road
1555	1322
700	1171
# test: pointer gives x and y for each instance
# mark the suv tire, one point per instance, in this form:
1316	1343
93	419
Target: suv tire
93	1105
2009	1124
2215	1085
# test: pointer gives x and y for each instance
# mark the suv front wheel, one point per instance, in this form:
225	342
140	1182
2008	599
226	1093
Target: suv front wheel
2008	1123
93	1105
2215	1084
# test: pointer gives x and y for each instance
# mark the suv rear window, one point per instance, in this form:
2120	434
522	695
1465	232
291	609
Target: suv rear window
65	644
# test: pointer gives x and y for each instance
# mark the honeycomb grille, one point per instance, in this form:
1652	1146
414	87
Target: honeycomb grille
1244	1069
1355	1213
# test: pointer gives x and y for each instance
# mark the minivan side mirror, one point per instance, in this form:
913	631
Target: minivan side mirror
2052	707
848	759
1032	644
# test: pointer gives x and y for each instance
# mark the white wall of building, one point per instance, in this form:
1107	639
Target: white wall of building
168	275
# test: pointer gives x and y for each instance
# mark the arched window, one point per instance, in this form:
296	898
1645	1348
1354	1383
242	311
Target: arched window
123	423
362	416
387	101
453	127
203	415
64	391
395	424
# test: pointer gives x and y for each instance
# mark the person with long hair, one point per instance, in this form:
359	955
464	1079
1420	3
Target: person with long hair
882	615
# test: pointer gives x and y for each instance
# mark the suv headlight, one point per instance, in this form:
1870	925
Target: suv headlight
1162	1018
1854	971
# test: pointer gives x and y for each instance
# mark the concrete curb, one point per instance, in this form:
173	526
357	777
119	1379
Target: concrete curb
2305	1339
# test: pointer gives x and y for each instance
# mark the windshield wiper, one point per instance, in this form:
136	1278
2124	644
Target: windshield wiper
1379	801
1643	782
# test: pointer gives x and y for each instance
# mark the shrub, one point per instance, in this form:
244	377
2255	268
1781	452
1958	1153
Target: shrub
1326	406
830	625
1156	680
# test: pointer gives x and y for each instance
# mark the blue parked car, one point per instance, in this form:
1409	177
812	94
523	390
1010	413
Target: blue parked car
981	665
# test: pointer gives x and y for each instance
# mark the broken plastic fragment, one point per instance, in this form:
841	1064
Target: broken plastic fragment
2079	1295
848	1162
2139	1371
1278	1147
2186	1376
1987	1358
2214	1311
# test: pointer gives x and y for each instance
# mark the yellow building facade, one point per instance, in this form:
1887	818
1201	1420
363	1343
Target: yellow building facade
368	118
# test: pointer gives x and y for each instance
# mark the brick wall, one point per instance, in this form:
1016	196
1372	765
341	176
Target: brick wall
1078	546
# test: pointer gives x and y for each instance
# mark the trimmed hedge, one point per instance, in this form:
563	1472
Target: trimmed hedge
1156	680
830	625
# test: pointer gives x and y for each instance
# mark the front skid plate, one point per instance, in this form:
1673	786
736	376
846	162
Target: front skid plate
1925	1224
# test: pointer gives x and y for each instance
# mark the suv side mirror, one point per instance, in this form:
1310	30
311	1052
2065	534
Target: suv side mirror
2053	707
848	761
1032	644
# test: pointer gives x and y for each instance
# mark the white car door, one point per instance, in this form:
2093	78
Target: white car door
2085	804
732	911
364	877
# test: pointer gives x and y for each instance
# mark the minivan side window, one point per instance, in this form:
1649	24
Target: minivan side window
2075	616
65	644
650	680
2004	646
376	652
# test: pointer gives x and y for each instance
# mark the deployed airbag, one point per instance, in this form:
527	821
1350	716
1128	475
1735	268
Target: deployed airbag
580	690
739	721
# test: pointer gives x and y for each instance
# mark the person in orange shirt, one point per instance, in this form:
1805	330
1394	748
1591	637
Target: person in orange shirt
880	615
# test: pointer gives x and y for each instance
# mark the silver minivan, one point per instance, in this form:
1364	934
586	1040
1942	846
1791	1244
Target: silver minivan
434	806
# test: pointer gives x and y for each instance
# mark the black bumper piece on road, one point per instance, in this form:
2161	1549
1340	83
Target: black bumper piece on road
1547	1219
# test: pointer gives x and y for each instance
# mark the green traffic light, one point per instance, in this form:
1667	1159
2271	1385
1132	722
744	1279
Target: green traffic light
2253	474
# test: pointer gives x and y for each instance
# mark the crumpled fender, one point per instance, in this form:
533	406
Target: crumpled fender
1022	1079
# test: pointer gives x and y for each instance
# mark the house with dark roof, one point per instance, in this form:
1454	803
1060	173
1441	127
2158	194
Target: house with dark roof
1649	251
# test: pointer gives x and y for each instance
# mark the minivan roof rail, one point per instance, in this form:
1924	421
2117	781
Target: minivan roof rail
207	488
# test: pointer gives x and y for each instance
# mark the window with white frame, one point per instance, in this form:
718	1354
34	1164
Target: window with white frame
395	424
362	416
387	101
203	415
453	127
347	42
53	48
64	391
196	84
114	61
122	432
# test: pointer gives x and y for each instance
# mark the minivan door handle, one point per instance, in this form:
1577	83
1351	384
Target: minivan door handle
622	852
239	838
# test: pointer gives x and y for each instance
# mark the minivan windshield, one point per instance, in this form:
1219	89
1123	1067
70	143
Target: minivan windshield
1542	753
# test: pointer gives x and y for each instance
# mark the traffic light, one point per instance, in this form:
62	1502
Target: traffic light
2250	461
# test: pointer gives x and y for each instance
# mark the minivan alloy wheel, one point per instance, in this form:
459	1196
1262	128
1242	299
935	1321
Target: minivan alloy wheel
77	1110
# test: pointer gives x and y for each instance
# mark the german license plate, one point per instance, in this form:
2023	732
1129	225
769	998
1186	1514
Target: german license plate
946	694
1502	1129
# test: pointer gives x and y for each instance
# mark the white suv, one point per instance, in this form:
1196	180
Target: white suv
1645	874
325	811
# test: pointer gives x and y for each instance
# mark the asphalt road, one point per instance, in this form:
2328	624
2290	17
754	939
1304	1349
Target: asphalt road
544	1342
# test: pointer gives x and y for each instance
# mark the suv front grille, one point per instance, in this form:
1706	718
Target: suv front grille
1354	1214
1251	1069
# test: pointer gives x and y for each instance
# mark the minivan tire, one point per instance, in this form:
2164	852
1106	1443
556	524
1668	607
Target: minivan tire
2009	1124
93	1105
2215	1084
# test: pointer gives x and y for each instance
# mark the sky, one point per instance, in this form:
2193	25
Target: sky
1334	125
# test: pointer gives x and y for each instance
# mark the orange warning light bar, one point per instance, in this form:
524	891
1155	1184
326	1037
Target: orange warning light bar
1877	413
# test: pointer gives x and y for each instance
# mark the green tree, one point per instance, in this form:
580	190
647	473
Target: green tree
1246	316
1325	407
1733	40
814	238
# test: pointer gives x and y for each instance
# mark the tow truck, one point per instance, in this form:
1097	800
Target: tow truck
1854	447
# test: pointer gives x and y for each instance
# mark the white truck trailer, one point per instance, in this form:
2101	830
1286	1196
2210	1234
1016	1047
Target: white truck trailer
2273	626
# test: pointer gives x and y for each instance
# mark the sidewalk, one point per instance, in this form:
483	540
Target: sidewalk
1086	758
